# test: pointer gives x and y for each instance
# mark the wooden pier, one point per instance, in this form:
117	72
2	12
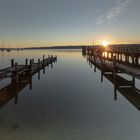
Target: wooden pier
125	87
21	77
125	54
27	69
115	60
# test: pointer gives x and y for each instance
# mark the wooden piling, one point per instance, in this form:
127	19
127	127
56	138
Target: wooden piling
12	62
26	61
30	67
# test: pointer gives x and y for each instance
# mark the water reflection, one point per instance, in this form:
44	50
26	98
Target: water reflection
15	87
125	87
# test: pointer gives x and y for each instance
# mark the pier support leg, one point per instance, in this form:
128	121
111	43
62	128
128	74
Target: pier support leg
26	62
133	82
12	62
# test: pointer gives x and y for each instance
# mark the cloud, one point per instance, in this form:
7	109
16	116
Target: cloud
118	10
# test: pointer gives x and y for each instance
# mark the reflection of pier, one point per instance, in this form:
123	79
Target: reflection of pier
11	91
22	78
111	70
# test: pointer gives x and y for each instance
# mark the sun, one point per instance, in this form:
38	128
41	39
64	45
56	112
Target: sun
105	43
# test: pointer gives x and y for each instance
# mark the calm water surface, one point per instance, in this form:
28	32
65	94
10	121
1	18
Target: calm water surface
69	102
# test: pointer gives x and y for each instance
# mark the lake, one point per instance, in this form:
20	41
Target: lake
68	102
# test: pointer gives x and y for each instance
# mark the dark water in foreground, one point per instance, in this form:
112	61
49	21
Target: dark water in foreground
69	102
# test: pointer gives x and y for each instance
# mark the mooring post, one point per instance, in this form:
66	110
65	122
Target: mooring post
26	61
32	61
30	68
38	64
12	62
136	60
43	60
16	72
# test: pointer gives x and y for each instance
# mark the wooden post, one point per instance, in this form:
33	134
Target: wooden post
26	61
16	72
133	60
38	64
43	60
30	69
136	60
12	62
32	61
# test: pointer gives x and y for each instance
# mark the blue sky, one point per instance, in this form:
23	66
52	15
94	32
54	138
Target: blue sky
69	22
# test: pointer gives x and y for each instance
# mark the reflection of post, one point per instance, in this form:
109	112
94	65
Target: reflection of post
44	70
133	82
94	63
115	93
38	75
30	81
95	68
56	59
16	99
51	65
101	69
102	78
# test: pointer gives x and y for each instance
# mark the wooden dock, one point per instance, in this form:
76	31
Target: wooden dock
125	54
125	87
116	58
21	77
27	69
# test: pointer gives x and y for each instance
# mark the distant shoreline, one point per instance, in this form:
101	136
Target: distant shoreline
46	48
57	47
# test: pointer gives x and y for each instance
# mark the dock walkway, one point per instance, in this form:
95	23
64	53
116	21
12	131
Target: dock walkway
26	69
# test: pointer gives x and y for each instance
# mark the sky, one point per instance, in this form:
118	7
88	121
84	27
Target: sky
27	23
